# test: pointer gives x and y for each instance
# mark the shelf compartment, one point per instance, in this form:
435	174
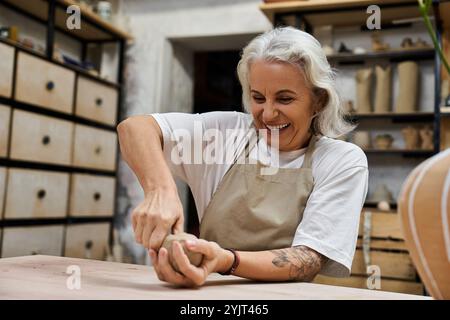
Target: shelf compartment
93	27
78	70
343	12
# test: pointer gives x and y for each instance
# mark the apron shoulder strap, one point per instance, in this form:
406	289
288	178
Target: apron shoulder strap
307	162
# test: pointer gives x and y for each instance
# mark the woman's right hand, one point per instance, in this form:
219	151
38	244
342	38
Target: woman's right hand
159	214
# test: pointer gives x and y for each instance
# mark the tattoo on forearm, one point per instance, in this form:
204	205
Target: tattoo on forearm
303	262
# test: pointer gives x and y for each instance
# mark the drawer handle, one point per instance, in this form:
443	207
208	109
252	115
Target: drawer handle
98	150
41	194
45	140
99	102
97	196
50	85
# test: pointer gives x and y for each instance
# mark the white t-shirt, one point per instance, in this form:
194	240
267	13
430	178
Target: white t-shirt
331	218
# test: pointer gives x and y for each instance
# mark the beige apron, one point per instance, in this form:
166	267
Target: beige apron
255	212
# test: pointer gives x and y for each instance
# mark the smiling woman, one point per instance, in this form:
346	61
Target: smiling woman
278	225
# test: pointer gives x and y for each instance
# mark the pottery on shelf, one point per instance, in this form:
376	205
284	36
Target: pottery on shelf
407	43
378	44
362	139
426	135
359	50
411	137
349	106
383	89
343	48
328	50
408	75
383	141
363	89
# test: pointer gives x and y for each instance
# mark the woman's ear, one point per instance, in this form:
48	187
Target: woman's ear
321	99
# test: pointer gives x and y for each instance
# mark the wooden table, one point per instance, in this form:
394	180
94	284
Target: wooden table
45	277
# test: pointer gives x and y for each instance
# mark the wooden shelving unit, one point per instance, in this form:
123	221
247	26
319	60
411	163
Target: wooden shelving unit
92	114
93	27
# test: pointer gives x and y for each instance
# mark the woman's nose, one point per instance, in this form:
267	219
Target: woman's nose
270	112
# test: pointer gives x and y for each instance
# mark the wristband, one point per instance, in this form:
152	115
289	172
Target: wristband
234	265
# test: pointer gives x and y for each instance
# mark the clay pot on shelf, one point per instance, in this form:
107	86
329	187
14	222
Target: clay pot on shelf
411	138
378	44
383	89
362	139
426	135
383	141
363	89
408	76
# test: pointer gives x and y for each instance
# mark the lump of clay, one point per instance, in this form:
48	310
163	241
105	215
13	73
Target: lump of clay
194	257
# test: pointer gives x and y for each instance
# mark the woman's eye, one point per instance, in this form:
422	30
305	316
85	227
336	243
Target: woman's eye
258	99
285	100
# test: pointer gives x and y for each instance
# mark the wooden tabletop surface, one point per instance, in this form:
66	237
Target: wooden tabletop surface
46	277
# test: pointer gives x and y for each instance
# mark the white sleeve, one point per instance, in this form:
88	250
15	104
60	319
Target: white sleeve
331	218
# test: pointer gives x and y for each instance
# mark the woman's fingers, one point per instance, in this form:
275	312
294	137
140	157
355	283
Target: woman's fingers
157	237
169	274
197	275
154	257
179	225
139	228
201	246
146	235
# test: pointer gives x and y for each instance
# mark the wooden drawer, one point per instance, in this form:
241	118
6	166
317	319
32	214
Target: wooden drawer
392	264
87	241
383	225
23	241
91	196
40	138
44	84
6	70
94	148
5	119
408	287
2	189
385	244
96	101
36	194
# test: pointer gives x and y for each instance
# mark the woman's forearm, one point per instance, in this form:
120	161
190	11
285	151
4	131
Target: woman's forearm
290	264
140	140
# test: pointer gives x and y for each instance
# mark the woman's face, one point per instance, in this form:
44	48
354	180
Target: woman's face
280	98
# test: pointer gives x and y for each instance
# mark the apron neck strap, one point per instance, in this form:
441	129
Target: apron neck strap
307	162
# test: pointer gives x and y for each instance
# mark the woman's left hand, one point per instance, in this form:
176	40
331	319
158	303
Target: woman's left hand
215	259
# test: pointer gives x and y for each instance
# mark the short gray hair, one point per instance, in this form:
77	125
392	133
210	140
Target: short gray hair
287	44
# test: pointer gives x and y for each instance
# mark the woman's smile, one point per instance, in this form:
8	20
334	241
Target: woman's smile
281	102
